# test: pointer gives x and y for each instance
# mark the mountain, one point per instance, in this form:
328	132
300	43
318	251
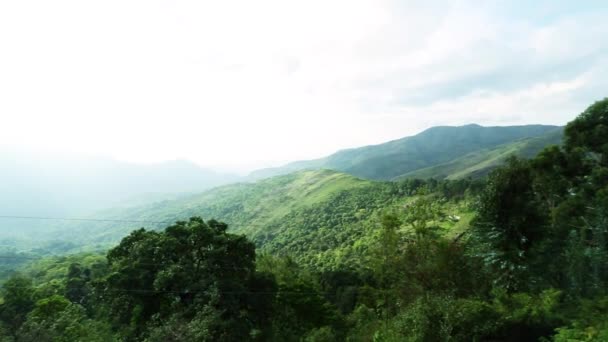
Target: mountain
318	217
310	203
482	161
246	207
434	147
47	184
36	184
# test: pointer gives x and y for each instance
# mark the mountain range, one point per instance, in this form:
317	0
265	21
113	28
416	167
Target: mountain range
438	152
48	184
263	205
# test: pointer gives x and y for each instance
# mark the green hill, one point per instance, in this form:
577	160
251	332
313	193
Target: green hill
481	162
320	217
316	214
434	147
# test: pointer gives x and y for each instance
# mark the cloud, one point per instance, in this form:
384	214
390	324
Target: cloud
492	70
263	82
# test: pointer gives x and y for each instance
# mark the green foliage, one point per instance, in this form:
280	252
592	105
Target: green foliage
49	307
323	334
454	152
441	318
509	223
589	131
344	259
300	305
56	319
191	267
481	162
18	300
322	219
590	323
423	214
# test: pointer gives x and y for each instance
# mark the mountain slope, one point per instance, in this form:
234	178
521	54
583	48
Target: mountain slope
435	146
481	162
246	207
319	217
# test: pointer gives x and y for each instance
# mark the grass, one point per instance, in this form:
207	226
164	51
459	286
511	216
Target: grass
480	162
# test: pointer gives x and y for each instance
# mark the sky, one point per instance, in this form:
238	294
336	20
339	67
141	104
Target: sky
239	85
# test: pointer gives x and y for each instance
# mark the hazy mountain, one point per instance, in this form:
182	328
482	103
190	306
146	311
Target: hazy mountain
37	184
431	148
60	186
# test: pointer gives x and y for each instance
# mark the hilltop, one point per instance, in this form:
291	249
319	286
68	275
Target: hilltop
461	147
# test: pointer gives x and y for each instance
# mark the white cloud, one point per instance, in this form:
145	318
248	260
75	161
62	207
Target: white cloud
248	83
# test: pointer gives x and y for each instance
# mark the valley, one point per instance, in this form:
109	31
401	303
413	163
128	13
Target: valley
466	227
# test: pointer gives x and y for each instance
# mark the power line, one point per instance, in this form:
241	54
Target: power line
114	220
21	257
80	219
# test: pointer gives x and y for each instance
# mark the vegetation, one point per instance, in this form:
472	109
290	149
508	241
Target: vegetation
480	163
439	152
319	216
76	189
521	256
57	186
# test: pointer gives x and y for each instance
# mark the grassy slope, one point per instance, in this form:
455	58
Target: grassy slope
320	217
246	207
480	162
433	147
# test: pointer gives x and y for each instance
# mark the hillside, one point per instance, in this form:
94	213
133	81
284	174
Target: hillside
481	162
333	257
432	148
266	210
316	216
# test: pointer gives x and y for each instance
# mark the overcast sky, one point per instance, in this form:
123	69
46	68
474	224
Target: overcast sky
244	84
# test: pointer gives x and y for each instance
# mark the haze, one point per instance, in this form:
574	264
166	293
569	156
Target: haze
248	84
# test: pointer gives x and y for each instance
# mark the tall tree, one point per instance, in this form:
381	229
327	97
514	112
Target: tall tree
194	271
509	222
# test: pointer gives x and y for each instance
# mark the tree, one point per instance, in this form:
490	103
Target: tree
299	305
192	267
509	222
421	213
56	319
589	131
77	289
18	295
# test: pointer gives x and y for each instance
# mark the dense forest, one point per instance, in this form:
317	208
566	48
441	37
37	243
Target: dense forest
521	255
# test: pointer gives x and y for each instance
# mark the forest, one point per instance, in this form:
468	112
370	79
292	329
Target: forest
518	255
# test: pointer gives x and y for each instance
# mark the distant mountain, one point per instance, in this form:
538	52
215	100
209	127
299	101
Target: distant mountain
481	162
38	184
309	202
309	206
444	148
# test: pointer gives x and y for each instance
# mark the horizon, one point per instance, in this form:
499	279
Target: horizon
240	171
241	85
